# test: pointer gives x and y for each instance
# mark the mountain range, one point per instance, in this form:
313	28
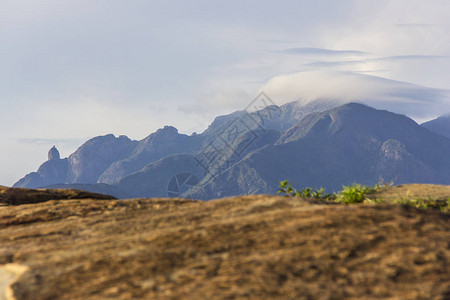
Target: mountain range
440	125
320	144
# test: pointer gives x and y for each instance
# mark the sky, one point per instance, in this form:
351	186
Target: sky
71	70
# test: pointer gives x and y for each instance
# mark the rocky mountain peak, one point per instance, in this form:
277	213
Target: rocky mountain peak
53	153
168	130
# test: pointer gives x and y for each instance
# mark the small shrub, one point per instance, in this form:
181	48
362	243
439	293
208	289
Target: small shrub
358	193
355	193
285	188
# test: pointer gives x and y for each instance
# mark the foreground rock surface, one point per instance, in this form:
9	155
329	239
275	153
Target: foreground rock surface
19	196
252	247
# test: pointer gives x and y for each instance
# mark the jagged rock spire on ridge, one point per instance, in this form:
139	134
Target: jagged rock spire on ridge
53	153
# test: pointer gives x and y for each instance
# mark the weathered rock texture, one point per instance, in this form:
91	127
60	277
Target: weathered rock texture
253	247
19	196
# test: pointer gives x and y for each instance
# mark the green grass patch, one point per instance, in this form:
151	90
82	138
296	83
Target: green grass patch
285	188
439	204
355	193
359	193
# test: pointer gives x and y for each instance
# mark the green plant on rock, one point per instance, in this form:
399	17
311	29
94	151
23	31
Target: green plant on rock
355	193
306	192
285	188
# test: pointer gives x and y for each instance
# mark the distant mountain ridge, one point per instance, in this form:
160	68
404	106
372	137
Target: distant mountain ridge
85	165
317	144
162	143
107	159
347	144
440	125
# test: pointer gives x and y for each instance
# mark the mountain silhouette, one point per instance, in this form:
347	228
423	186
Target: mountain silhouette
440	125
319	144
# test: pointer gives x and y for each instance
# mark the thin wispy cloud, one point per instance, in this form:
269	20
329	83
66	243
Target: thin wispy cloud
401	97
275	41
326	64
345	63
47	141
415	25
410	57
321	51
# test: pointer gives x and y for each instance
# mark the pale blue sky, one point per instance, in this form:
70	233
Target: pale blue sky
71	70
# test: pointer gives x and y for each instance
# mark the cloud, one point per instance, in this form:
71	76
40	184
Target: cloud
335	63
410	57
276	41
47	141
211	105
415	25
321	51
413	100
328	64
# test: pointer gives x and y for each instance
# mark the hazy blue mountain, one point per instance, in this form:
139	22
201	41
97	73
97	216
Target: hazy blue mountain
351	143
162	143
293	112
235	150
278	118
319	144
155	178
221	120
53	171
31	180
89	161
85	165
440	125
168	141
234	135
107	159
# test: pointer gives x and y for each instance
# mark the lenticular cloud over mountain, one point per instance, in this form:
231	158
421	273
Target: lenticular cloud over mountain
416	101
